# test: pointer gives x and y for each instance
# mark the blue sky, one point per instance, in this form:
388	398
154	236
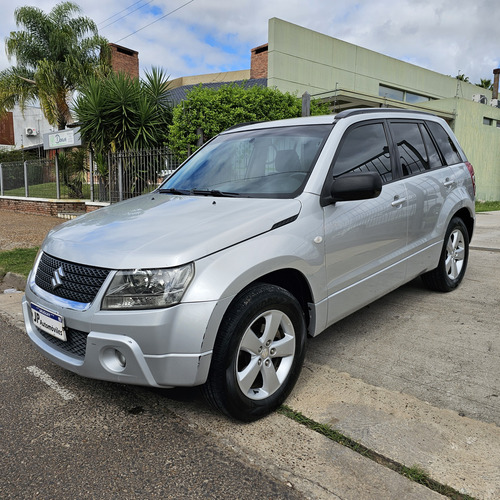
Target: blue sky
189	37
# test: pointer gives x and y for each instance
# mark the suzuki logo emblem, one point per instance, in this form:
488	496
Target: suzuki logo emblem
57	278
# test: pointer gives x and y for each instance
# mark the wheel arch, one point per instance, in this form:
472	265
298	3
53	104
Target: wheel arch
468	220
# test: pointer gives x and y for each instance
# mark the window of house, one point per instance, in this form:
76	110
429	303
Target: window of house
401	95
487	121
390	93
364	149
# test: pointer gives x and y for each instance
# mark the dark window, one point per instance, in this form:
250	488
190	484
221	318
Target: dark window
444	143
364	149
432	153
411	149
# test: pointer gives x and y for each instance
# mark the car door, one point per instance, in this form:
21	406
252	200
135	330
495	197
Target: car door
364	240
428	183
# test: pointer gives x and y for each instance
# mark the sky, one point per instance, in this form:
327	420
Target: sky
192	37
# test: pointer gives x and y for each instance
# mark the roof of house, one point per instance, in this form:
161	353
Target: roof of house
178	94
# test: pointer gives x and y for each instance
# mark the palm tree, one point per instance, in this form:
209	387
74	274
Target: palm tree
54	54
485	84
120	113
124	113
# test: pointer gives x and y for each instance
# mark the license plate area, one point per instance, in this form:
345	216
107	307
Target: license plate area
49	322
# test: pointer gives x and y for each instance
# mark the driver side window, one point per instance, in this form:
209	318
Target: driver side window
364	149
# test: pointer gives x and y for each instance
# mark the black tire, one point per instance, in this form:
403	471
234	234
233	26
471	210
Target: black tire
453	261
258	353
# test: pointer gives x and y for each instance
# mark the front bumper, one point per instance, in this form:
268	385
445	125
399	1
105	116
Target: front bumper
159	348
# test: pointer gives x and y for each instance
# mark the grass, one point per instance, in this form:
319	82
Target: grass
19	261
47	190
414	473
487	206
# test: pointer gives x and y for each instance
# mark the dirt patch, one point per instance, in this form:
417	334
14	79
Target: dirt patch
11	283
19	230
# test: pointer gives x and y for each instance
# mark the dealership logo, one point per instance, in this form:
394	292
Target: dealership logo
57	278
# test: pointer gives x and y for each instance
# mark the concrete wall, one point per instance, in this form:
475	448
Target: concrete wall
301	59
31	118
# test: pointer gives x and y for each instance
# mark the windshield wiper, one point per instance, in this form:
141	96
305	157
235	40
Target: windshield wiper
173	191
213	192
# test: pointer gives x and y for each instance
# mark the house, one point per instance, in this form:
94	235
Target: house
24	130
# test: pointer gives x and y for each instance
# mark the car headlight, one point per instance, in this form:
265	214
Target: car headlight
148	288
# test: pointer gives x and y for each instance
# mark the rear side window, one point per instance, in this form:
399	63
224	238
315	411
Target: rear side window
432	153
445	144
411	148
364	149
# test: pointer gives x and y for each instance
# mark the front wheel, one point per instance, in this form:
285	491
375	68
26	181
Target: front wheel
453	261
258	353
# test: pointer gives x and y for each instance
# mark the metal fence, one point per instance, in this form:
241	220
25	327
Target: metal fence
123	175
132	173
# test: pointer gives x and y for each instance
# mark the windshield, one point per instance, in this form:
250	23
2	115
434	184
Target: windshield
273	162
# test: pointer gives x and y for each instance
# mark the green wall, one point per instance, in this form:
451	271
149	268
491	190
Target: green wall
302	60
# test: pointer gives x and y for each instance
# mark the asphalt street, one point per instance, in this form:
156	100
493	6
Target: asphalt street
62	436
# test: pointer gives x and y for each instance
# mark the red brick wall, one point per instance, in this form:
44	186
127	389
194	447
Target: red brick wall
7	129
258	62
46	207
124	60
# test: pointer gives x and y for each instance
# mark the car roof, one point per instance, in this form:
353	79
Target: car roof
331	119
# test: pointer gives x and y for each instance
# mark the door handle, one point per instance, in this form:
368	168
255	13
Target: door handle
448	182
398	202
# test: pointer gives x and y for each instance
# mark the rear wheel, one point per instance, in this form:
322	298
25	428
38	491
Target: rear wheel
258	354
453	261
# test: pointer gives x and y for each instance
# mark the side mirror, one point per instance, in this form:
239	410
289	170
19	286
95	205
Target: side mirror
359	186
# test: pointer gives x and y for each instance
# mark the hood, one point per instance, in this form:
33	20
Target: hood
162	230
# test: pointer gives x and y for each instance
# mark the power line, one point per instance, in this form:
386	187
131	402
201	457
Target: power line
128	14
114	15
156	20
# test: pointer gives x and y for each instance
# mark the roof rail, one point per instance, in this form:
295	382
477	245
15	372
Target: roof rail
361	111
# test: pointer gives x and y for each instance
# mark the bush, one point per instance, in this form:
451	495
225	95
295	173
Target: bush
214	110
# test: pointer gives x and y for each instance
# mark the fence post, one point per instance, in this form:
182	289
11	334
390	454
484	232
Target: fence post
91	173
58	186
306	104
26	190
1	180
120	178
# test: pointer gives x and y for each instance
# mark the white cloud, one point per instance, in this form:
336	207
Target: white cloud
447	36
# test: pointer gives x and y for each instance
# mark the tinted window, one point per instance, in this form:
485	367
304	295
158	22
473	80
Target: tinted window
432	153
411	149
364	149
445	144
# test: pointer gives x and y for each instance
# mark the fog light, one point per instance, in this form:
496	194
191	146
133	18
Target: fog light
121	358
113	360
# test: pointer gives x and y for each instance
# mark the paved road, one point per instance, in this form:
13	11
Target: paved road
67	437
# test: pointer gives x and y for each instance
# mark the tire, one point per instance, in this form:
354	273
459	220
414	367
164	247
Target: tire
258	353
453	261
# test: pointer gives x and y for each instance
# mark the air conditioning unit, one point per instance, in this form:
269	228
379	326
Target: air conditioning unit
31	131
495	103
480	98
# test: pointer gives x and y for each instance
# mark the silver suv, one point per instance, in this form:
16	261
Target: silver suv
268	233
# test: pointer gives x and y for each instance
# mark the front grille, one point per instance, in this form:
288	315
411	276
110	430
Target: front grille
75	345
77	282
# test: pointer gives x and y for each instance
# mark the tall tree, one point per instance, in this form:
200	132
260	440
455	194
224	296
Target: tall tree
54	54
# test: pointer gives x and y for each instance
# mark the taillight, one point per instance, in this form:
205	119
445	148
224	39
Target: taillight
472	176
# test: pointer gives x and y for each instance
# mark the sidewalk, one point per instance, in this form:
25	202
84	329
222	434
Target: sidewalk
457	450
